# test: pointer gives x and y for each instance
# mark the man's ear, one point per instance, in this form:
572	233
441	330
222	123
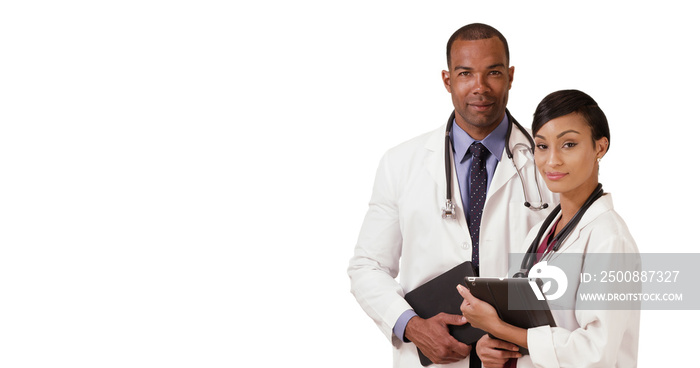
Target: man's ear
511	72
446	80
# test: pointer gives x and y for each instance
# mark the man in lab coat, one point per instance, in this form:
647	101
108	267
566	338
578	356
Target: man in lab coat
404	229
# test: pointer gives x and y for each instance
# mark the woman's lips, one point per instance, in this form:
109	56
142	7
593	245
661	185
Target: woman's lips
555	175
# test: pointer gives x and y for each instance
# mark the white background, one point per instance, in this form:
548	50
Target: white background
182	183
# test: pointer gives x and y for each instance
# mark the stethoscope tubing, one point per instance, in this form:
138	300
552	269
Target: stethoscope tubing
556	243
448	211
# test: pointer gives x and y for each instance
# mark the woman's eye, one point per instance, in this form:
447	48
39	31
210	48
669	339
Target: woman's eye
541	146
570	145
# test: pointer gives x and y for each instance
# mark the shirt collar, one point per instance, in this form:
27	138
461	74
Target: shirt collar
495	142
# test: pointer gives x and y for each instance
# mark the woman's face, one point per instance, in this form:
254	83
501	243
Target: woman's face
567	157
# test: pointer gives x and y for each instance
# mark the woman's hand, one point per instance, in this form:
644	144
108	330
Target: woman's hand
483	316
479	313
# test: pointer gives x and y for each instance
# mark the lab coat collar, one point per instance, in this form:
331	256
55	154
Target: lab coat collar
599	207
435	164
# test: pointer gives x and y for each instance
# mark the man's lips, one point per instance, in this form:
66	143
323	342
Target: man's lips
481	105
554	175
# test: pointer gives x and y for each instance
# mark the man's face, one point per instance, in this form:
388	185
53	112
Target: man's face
479	80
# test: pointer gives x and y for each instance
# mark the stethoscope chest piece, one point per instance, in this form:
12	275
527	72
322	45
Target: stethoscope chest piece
448	212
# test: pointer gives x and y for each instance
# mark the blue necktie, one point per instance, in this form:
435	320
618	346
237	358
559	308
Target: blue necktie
477	195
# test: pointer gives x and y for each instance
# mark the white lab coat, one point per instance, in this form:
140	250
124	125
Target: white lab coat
404	231
587	338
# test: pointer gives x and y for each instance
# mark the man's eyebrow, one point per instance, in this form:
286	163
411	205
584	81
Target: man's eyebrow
494	66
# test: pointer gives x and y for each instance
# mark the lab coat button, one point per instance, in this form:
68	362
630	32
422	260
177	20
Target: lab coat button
465	245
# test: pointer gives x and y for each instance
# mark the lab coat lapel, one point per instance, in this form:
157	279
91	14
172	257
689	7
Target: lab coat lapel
603	204
435	164
505	171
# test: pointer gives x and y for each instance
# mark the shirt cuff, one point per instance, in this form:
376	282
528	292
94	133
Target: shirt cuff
400	326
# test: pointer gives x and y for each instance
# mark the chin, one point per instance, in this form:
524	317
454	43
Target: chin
557	187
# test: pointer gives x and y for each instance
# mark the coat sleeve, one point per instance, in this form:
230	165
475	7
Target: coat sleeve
595	344
604	338
375	265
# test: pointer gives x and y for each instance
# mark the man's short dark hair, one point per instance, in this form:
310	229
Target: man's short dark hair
476	31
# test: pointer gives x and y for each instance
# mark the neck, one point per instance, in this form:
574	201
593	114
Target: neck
572	201
478	132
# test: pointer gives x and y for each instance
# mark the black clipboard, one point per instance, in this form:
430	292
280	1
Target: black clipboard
525	310
440	295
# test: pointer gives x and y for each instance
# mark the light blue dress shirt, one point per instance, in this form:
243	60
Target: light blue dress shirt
495	142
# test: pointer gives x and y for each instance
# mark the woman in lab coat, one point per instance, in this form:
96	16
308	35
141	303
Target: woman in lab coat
571	136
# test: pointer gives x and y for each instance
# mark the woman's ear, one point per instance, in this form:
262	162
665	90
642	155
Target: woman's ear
601	147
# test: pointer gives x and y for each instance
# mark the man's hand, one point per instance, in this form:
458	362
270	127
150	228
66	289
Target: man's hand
495	353
433	338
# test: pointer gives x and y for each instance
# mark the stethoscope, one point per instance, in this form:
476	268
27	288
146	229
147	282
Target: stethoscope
531	256
449	210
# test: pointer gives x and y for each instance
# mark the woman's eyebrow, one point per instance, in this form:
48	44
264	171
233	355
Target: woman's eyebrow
567	131
560	134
